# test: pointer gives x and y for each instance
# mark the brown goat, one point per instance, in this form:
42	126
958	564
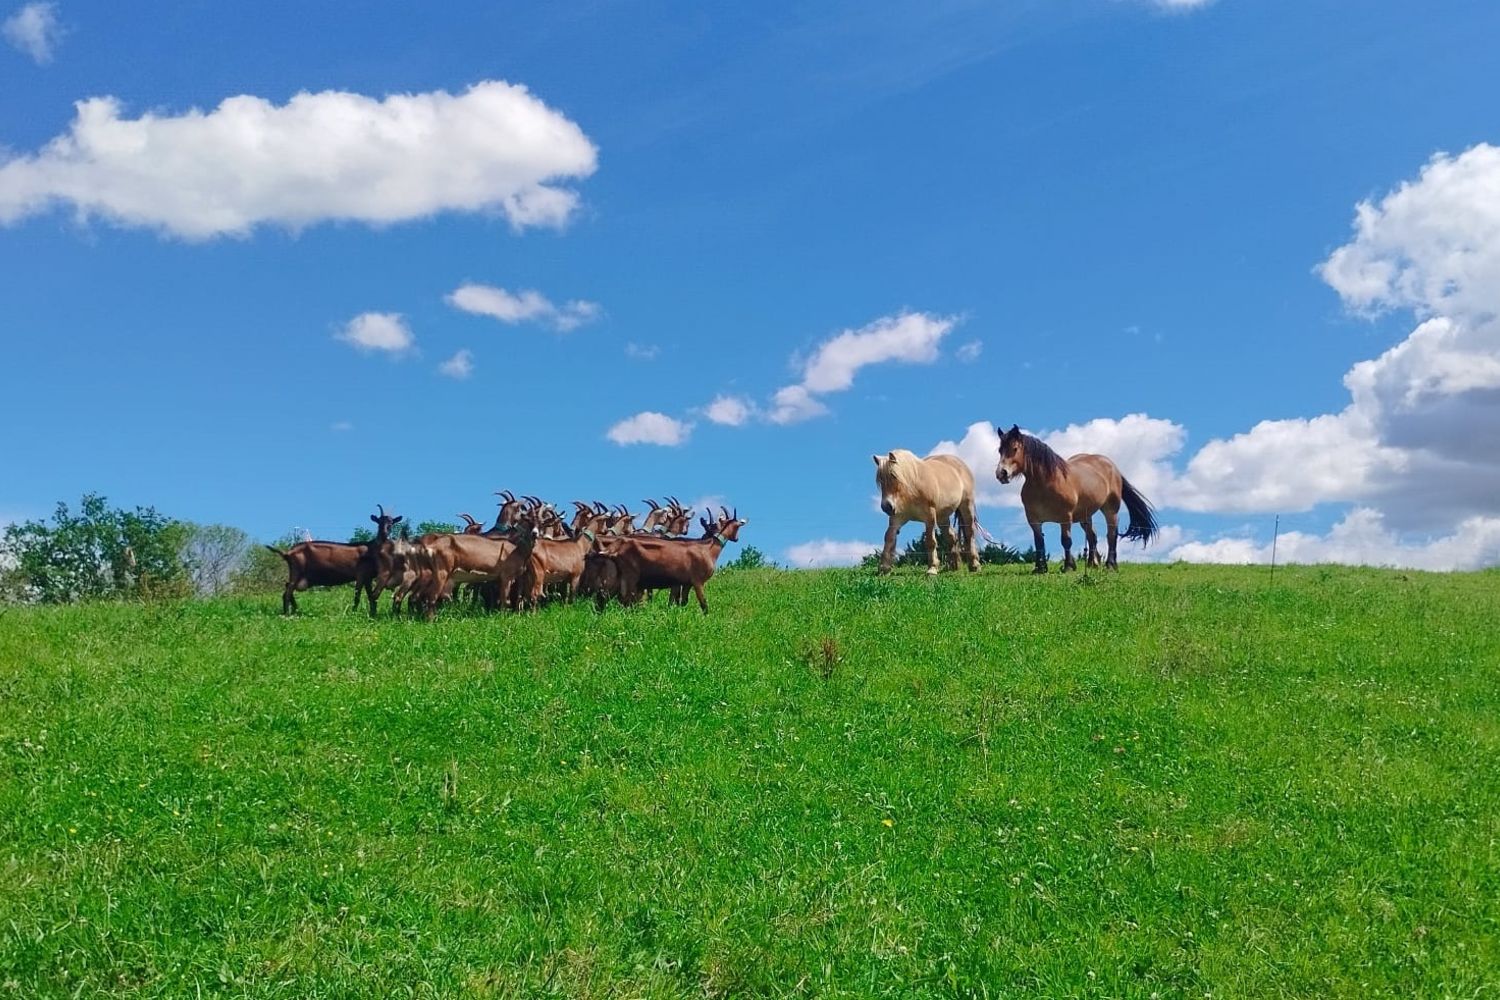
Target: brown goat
477	559
330	564
651	563
559	561
600	579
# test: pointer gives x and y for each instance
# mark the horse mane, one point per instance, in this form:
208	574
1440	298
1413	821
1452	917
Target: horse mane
1039	455
901	469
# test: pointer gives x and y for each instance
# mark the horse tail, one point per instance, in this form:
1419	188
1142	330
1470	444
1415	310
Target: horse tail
1143	524
987	536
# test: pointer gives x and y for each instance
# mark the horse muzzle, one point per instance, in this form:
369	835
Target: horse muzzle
1002	475
887	508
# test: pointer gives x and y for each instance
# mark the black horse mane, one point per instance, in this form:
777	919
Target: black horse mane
1041	457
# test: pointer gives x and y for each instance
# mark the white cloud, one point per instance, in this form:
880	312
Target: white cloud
34	30
460	366
326	156
793	404
912	338
969	353
524	306
1361	538
731	411
650	428
828	552
374	331
641	352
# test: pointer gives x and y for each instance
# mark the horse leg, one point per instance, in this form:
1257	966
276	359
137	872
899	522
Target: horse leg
968	517
945	536
1091	553
888	554
1040	544
929	539
1067	543
1112	532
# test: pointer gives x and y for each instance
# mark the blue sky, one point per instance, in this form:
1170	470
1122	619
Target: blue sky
1106	220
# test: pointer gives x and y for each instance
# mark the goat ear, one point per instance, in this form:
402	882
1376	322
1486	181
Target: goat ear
397	519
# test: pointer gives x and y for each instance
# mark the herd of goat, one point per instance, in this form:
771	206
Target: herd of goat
531	551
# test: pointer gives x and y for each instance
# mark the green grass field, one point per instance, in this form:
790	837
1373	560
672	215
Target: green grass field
1174	781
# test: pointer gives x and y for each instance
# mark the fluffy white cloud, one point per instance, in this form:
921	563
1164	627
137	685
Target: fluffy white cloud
460	366
374	331
319	157
34	30
828	552
1430	245
1361	538
649	428
793	404
732	411
524	306
911	338
969	353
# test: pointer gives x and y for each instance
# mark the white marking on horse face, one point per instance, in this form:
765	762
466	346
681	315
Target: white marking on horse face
1006	469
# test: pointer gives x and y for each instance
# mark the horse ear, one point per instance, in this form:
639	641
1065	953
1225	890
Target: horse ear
875	457
891	456
1015	429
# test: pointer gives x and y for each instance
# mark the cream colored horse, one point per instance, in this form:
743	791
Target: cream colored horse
930	490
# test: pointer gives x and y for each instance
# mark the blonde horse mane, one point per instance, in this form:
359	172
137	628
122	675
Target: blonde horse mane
902	469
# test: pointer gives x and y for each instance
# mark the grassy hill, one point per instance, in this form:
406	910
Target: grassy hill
1175	780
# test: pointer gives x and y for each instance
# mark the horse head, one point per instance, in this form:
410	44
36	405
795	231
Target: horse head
1012	453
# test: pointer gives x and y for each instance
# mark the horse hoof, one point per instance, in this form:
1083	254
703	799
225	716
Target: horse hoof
1039	571
932	571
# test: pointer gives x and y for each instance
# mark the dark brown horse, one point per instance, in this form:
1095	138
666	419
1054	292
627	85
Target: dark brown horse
1069	491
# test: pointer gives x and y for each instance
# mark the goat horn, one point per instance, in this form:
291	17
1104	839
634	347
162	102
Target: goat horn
381	509
651	503
724	511
736	513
